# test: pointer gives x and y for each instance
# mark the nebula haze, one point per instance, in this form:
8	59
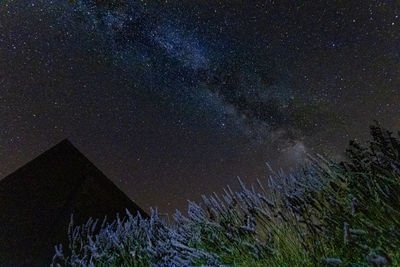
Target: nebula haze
176	99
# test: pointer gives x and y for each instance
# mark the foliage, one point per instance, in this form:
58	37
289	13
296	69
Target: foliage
326	214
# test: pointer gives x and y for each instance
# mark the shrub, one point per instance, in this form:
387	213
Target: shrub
325	214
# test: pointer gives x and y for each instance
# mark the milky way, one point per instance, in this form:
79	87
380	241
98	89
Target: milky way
173	100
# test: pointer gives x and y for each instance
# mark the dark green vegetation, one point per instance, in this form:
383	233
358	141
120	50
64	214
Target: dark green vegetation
329	213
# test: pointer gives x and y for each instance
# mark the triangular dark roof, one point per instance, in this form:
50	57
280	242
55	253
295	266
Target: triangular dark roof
37	200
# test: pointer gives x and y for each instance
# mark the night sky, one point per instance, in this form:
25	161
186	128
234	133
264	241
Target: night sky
174	99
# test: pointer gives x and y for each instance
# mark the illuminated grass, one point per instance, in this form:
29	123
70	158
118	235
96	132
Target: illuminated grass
327	214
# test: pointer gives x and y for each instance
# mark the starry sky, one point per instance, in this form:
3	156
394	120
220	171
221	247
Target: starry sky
174	99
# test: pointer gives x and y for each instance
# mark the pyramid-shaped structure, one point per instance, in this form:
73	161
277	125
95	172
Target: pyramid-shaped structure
37	200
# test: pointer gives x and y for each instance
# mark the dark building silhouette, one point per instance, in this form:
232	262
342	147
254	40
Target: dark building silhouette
37	200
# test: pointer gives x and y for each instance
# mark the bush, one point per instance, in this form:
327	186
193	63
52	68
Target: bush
326	214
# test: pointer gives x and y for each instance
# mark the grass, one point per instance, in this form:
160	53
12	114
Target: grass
328	214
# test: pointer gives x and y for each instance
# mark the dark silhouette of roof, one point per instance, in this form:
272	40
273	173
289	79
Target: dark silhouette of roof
37	200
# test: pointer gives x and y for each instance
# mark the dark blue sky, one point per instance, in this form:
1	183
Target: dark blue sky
173	100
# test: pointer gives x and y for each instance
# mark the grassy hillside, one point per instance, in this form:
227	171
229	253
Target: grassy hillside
328	213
